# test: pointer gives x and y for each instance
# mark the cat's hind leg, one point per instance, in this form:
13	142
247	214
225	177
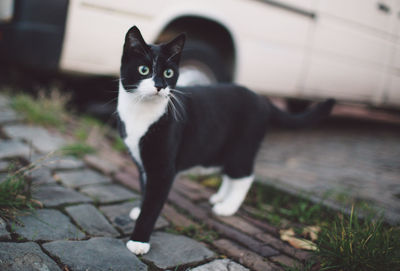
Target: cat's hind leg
232	201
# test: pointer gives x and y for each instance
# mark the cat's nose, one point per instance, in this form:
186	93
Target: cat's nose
158	89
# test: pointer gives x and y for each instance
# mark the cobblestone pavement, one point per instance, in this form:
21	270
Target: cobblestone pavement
343	159
84	223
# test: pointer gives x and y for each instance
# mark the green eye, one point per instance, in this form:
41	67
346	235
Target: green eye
144	70
168	73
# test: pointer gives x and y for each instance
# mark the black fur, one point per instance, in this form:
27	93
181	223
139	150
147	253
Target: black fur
221	125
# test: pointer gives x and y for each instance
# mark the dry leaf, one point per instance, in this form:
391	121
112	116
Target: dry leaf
312	231
288	236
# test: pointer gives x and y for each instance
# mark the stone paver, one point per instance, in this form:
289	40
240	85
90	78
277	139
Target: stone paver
4	101
221	265
4	234
170	250
91	220
14	148
42	176
8	115
25	257
57	162
118	214
100	164
81	178
55	195
108	193
4	165
41	139
95	254
47	225
244	256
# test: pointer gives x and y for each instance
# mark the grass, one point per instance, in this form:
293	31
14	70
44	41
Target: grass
15	194
199	232
350	243
46	110
78	149
277	207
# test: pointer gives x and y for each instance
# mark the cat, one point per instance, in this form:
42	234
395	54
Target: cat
169	130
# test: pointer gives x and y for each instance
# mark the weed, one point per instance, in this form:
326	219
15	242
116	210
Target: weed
200	233
276	206
350	243
48	110
78	149
119	144
15	193
310	264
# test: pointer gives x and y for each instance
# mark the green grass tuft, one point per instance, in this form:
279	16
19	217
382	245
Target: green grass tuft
119	144
276	206
44	110
350	243
78	149
199	232
15	194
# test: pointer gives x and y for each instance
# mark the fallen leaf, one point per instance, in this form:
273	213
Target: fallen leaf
289	236
312	231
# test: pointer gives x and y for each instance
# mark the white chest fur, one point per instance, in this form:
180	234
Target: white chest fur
138	116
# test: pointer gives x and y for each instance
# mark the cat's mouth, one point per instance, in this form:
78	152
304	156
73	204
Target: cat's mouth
155	94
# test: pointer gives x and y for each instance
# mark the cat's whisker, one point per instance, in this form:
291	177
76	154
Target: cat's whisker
178	101
110	101
178	114
178	91
173	109
171	106
181	112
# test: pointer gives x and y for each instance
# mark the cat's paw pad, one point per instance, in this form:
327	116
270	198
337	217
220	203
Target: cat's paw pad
134	213
138	248
214	199
224	209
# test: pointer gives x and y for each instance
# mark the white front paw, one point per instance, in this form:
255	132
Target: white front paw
138	248
224	209
134	213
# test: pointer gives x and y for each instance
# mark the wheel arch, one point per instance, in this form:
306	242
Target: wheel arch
198	28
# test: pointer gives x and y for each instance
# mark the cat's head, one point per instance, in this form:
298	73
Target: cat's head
150	70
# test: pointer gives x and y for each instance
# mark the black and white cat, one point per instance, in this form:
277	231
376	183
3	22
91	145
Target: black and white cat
168	131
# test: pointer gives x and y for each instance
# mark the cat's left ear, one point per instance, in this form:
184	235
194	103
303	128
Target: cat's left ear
174	47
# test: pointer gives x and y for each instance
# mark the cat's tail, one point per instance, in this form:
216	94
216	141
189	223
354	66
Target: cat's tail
314	115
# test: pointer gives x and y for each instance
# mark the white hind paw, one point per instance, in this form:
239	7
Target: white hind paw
138	248
214	199
224	209
134	213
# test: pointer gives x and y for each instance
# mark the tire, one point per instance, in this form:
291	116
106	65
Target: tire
201	64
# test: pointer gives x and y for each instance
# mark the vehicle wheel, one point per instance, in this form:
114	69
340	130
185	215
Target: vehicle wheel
201	64
296	106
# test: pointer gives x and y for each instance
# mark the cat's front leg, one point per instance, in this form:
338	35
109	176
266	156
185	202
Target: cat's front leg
157	190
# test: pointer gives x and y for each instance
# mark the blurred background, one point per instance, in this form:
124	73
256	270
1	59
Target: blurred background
296	51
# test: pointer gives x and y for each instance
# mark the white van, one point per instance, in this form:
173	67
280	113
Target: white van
307	49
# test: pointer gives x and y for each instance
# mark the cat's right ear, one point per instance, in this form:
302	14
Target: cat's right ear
134	40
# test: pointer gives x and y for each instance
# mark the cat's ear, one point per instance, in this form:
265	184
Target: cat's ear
174	47
135	41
